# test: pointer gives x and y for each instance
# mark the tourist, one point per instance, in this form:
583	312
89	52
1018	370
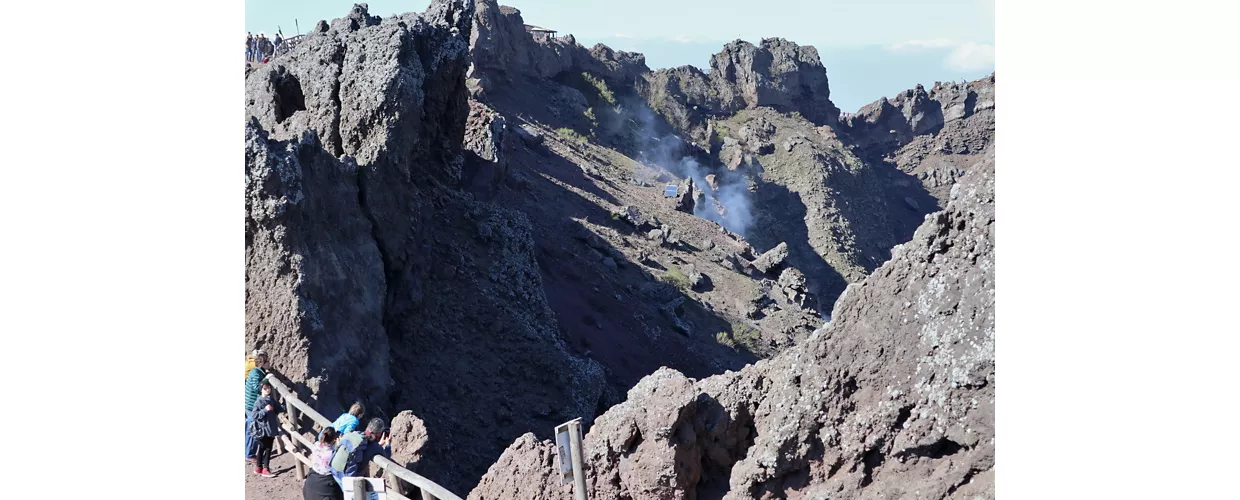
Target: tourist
253	379
265	428
378	443
359	448
254	50
264	46
249	46
349	421
320	485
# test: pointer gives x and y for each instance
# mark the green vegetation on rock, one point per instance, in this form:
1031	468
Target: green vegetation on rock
741	336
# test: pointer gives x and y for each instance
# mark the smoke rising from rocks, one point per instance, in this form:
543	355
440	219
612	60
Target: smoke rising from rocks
726	201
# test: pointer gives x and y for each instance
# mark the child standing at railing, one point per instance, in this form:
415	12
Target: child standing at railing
266	426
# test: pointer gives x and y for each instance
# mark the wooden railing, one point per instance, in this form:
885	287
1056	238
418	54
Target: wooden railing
392	472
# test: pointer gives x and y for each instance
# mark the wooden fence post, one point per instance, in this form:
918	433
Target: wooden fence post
296	427
359	488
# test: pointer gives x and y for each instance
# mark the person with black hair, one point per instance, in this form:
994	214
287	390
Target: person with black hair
320	485
265	427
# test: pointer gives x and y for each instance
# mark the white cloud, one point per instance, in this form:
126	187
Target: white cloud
972	56
938	43
963	56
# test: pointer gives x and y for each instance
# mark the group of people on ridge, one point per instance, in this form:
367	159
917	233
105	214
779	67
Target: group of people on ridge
340	451
259	49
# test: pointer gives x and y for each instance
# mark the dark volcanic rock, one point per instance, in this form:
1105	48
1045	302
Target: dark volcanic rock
501	48
772	258
892	123
776	73
486	139
894	398
792	282
779	74
301	215
685	198
368	274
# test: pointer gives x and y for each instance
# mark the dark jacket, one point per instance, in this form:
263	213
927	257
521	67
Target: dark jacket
266	423
369	453
359	462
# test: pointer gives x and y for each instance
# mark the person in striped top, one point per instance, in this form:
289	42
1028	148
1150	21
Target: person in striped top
252	384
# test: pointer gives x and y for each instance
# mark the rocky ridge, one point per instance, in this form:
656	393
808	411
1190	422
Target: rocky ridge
895	397
369	274
512	212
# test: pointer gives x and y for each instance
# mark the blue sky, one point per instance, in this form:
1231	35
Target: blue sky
871	49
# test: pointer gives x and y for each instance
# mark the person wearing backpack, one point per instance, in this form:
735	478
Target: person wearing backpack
357	448
256	371
265	428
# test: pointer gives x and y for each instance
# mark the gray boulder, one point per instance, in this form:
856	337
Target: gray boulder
772	258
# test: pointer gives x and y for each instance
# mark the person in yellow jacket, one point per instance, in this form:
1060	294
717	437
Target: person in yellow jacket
256	371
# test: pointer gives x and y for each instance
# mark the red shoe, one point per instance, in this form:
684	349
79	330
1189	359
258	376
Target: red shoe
266	473
258	471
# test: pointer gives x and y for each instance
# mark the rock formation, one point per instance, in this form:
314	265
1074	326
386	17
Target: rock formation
892	123
893	398
368	273
501	48
774	257
777	74
450	217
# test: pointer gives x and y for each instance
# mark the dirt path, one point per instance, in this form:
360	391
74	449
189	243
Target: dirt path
284	486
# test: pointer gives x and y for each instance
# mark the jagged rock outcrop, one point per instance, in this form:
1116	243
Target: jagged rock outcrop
777	73
893	398
486	139
793	285
686	196
409	437
892	123
359	89
302	215
502	48
369	274
773	257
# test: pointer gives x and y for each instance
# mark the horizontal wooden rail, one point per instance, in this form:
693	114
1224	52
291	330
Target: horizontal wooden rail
292	399
297	455
424	484
392	495
300	438
430	490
